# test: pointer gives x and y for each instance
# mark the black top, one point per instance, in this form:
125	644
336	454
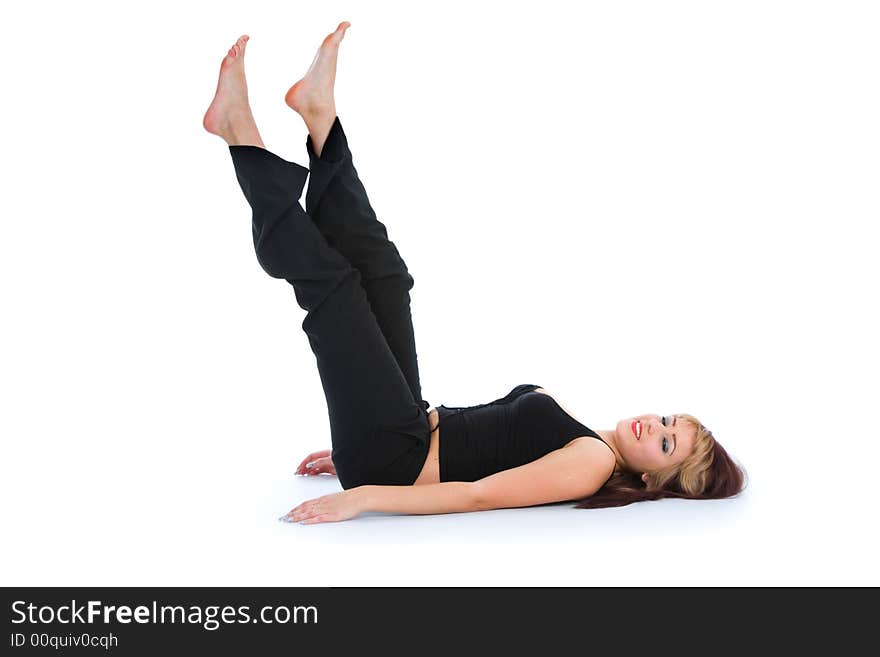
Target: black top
524	425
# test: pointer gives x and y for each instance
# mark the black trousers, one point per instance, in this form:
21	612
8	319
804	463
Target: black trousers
354	286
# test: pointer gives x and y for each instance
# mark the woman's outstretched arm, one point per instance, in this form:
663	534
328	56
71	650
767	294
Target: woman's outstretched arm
447	497
571	472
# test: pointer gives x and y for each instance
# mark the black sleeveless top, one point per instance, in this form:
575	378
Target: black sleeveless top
524	425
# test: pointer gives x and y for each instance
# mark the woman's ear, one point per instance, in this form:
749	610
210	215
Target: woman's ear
645	477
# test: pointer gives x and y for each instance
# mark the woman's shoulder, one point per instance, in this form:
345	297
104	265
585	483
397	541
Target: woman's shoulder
597	456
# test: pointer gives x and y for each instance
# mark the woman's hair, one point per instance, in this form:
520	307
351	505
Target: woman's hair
709	473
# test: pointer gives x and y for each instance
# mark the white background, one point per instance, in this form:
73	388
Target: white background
645	207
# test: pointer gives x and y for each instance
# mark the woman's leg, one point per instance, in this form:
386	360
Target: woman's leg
379	432
338	203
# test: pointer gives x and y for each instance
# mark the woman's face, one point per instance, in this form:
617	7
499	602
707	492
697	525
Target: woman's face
649	443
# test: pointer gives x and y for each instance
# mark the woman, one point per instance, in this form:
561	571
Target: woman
522	449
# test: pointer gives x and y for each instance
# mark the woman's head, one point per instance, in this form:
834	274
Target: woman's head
667	456
649	444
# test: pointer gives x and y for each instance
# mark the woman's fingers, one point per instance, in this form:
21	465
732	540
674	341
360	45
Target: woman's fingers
316	455
310	460
329	508
325	465
318	466
315	467
324	517
312	467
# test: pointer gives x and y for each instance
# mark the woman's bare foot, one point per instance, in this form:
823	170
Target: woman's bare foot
312	97
229	115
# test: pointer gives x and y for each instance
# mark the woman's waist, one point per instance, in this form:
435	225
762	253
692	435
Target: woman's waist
430	473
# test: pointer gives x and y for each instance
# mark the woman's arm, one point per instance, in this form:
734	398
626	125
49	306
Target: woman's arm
569	473
572	472
446	497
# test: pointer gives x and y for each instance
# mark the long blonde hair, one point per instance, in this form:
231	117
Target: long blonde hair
707	473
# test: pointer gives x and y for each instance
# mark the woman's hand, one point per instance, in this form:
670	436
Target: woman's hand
329	508
316	463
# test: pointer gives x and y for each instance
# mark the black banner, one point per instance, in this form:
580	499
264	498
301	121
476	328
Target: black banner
133	621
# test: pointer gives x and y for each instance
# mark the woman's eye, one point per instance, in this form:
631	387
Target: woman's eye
665	446
663	420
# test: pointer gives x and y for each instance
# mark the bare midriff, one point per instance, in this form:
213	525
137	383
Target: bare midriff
430	473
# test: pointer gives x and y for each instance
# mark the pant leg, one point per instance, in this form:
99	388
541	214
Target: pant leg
337	202
379	432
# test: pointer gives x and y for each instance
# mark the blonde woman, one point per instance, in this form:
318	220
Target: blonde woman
391	450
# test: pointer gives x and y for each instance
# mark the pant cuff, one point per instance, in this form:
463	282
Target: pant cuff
261	172
334	155
335	146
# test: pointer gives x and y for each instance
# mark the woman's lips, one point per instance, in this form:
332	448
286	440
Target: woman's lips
635	428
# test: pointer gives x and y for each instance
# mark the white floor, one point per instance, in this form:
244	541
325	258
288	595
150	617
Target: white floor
222	531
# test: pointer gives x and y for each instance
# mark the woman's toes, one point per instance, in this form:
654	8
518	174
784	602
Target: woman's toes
238	47
335	37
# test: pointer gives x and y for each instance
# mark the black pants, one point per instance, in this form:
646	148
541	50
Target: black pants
355	288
